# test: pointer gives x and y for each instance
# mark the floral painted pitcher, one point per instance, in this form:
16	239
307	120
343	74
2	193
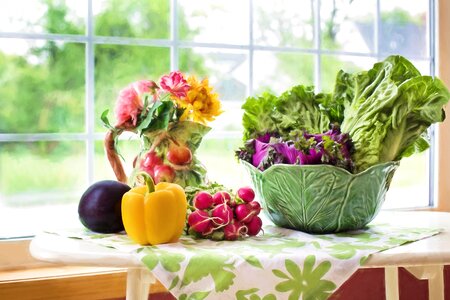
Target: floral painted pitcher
170	120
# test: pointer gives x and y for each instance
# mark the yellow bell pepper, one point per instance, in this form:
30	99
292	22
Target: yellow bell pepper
153	214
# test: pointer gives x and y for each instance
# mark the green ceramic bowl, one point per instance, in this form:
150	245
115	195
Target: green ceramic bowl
321	198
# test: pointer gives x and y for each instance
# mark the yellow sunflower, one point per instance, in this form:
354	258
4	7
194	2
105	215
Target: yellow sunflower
201	103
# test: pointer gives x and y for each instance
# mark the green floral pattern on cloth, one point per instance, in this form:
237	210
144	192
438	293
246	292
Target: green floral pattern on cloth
280	264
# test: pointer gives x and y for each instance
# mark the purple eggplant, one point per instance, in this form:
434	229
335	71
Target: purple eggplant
100	206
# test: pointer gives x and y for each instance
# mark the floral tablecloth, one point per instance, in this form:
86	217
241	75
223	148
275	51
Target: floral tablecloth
279	264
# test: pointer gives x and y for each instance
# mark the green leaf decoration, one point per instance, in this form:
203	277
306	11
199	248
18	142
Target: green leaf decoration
105	121
170	261
252	260
188	132
174	282
151	261
397	241
242	294
282	245
363	260
280	274
348	250
99	236
365	237
250	294
148	116
306	283
198	296
161	117
324	237
316	245
205	264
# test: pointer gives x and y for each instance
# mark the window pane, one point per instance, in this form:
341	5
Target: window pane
348	25
422	65
227	70
132	18
129	146
39	184
217	154
409	187
219	21
404	27
43	83
283	23
33	16
119	65
331	64
279	71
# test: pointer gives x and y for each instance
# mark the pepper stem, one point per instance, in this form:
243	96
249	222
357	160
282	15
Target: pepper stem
148	181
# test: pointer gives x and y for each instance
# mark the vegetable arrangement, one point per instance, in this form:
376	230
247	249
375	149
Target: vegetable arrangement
170	118
371	117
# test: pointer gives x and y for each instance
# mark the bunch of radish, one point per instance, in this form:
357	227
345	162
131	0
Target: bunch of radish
222	216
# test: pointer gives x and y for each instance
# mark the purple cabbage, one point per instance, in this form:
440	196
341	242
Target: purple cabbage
331	147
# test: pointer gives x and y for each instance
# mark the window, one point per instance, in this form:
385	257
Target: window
63	63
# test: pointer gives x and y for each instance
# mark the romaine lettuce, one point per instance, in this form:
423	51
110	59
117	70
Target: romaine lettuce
387	110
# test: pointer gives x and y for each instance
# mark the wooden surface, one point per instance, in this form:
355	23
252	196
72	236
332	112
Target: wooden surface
66	282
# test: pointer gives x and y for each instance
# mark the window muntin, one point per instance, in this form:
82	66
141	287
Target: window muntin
242	59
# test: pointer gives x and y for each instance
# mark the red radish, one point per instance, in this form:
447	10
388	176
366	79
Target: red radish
255	207
246	193
203	200
233	231
243	213
222	214
200	221
254	226
221	197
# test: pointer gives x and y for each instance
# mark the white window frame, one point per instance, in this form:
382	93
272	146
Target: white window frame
442	63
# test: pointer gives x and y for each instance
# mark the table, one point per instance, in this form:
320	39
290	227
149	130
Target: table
424	259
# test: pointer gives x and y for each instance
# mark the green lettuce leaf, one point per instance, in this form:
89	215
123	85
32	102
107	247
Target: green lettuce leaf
387	110
296	110
257	118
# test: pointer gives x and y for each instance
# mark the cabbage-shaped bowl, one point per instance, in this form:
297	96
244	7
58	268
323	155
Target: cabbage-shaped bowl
321	198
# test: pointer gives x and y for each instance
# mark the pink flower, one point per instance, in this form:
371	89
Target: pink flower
175	84
144	86
128	107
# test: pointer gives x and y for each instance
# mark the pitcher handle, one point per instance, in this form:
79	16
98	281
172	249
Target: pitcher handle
113	156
